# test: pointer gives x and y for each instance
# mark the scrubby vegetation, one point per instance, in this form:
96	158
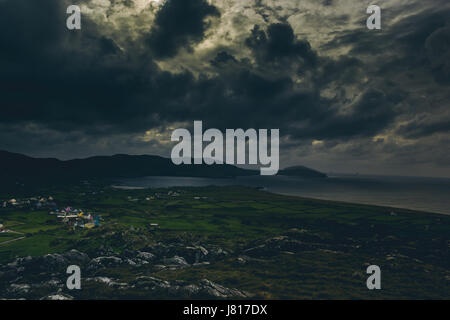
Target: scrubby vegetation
263	245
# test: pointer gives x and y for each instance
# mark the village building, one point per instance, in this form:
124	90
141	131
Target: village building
77	218
31	203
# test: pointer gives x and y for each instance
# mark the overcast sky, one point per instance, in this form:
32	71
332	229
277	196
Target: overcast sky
345	98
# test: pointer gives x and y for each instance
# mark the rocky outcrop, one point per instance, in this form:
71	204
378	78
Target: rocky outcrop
145	256
176	262
45	277
205	289
57	296
214	290
104	262
108	281
77	257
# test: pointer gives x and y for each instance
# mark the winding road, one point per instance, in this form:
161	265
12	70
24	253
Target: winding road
9	241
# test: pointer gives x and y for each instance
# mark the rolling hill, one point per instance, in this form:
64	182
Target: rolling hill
20	168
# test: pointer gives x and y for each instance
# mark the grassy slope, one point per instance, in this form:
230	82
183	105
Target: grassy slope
410	247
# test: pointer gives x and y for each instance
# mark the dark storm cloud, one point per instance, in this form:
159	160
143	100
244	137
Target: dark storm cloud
373	112
404	56
423	128
279	44
437	47
88	88
271	13
72	80
179	24
27	26
81	81
221	58
344	70
245	99
418	40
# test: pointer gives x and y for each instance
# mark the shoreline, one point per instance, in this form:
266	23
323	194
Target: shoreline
363	203
264	189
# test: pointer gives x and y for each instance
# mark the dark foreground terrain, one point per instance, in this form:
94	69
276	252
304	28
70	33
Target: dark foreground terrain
219	242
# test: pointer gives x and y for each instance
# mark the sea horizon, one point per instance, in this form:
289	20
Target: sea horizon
425	194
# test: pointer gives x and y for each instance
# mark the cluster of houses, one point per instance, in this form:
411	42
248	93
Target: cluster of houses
169	193
70	216
77	218
33	203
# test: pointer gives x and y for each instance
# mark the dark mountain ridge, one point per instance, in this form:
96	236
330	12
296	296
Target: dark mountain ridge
16	167
302	171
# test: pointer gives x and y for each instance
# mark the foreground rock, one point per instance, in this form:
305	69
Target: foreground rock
205	289
57	296
45	277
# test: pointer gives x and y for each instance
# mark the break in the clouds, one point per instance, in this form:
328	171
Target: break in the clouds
345	98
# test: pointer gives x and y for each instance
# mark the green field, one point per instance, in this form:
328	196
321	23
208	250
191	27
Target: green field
334	242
